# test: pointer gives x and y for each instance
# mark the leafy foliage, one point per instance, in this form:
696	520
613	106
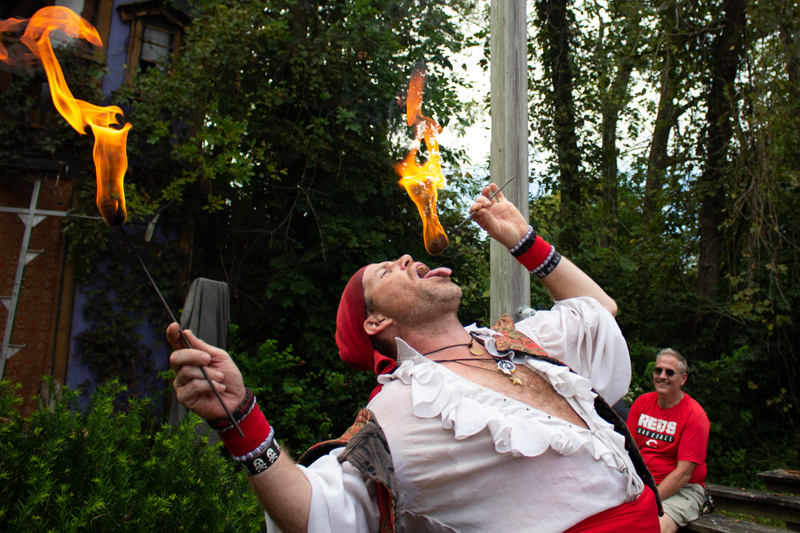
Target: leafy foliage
741	343
267	147
63	469
271	139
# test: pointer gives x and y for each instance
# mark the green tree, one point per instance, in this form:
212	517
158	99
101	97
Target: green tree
696	148
271	139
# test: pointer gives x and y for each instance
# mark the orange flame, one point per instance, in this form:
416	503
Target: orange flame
110	157
422	181
11	25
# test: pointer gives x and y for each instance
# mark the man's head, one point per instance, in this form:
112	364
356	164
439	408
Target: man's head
387	300
669	374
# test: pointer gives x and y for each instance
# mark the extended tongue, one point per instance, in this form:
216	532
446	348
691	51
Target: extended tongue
441	271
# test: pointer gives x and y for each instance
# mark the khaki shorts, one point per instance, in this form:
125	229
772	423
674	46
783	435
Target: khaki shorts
685	505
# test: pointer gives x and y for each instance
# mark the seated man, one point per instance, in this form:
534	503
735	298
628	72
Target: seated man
469	429
671	429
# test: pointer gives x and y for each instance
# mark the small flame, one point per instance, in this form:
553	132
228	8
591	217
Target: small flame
422	181
110	157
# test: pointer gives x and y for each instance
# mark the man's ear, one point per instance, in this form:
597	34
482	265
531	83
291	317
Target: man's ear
376	323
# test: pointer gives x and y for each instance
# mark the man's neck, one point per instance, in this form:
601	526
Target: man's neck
668	401
435	334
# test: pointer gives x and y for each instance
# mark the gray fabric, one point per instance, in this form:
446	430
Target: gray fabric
206	312
686	505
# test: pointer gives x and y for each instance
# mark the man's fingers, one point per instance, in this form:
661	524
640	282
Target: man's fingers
189	372
181	358
199	344
195	381
193	389
176	340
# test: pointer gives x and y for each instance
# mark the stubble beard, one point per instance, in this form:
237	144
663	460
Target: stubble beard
433	305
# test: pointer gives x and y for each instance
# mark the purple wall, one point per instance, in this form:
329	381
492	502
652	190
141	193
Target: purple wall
116	51
78	373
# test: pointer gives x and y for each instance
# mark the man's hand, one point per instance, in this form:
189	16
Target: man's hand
499	217
191	387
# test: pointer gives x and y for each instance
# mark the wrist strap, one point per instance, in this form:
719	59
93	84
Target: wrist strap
524	243
258	449
537	255
241	412
265	459
256	430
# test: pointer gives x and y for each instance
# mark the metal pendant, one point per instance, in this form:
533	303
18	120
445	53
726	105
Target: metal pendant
475	350
506	367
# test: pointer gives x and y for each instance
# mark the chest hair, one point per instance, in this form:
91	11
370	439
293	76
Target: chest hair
535	390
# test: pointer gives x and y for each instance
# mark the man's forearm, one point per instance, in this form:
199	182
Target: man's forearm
285	494
569	281
676	479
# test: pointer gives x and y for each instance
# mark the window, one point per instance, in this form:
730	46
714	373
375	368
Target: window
156	43
156	32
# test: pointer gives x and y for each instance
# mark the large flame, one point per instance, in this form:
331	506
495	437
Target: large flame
422	181
110	158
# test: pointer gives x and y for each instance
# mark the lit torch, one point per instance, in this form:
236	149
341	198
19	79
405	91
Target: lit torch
110	156
422	181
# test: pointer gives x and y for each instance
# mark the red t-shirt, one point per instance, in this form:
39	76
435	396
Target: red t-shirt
666	436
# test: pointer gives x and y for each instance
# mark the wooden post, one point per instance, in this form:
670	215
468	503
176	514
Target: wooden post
510	282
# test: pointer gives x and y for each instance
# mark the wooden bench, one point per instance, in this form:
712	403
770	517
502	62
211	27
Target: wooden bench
717	523
782	481
765	504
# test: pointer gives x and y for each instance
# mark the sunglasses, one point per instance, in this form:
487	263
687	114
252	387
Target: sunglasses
668	371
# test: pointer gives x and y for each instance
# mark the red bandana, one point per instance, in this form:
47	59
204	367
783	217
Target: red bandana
355	346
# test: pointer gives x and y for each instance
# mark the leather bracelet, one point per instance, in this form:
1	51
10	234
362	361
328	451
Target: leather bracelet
239	414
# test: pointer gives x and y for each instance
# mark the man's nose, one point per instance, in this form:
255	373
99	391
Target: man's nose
404	261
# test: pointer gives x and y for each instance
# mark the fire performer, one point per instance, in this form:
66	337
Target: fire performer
469	429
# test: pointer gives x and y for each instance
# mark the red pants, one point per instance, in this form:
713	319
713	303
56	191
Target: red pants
640	516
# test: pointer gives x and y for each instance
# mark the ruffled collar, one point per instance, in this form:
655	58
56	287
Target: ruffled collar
467	408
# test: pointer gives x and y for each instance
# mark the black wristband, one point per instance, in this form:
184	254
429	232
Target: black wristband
525	244
546	268
264	460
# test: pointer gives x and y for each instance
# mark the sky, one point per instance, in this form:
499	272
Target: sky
476	140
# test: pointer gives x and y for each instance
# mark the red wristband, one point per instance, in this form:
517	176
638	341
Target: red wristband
256	430
536	254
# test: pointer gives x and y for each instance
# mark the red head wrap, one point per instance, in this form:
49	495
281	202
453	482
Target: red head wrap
355	346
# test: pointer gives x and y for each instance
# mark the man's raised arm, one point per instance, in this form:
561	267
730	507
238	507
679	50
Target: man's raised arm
562	278
280	487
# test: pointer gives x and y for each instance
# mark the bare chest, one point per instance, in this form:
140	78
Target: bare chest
531	389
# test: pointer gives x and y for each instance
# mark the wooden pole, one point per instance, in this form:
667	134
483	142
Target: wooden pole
510	282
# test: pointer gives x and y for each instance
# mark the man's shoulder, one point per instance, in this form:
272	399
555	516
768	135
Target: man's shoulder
694	406
645	399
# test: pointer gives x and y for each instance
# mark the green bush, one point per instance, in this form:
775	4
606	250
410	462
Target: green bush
105	469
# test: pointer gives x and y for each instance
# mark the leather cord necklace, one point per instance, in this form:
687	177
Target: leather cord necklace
504	366
474	350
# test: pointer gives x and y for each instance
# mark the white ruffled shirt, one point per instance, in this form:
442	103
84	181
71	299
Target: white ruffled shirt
468	458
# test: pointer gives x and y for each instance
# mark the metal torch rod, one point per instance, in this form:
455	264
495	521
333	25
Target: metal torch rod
492	196
183	337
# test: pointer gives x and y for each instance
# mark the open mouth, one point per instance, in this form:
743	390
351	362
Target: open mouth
426	273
